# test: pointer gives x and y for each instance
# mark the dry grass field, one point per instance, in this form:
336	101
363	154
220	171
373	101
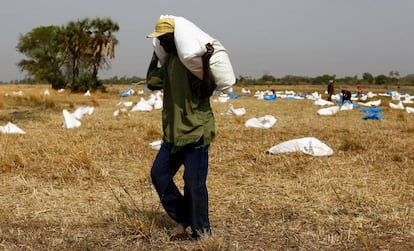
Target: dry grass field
88	188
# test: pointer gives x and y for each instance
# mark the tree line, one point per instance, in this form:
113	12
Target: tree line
267	79
70	55
393	78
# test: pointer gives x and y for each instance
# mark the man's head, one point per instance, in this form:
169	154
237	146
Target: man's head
164	32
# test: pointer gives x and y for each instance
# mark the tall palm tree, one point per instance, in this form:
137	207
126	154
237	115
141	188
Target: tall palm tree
74	38
102	43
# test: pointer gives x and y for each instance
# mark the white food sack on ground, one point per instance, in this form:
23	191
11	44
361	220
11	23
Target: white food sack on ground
308	145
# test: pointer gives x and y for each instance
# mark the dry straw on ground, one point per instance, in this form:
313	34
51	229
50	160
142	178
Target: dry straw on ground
89	188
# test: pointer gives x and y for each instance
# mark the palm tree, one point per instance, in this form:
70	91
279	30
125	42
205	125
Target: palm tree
74	38
102	43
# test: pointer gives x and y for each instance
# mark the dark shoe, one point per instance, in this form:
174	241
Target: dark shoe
201	235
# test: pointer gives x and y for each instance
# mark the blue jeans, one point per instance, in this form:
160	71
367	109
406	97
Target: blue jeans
190	208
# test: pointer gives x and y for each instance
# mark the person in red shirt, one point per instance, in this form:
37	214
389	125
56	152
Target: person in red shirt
359	91
346	95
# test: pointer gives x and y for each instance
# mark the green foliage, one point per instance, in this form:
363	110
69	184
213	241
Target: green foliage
85	82
69	54
267	78
245	80
323	79
367	77
382	80
295	80
122	81
409	79
44	57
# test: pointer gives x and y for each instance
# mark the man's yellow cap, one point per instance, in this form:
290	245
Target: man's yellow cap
163	26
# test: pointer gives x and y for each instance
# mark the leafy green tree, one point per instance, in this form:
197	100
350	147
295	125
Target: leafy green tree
408	79
382	79
73	53
102	43
268	78
44	59
75	38
394	75
90	45
294	80
367	77
323	79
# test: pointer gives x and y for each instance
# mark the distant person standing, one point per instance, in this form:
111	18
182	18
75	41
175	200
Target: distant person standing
346	95
330	90
359	90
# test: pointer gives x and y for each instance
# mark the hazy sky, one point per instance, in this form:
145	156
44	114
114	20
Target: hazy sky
290	37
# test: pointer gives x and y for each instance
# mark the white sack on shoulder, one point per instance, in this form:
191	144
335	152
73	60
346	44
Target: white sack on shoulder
190	42
308	145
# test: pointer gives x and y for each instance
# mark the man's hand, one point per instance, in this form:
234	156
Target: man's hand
209	85
206	57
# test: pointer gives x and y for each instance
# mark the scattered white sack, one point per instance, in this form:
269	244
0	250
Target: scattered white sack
233	111
142	106
371	95
221	99
347	107
328	111
125	103
407	99
87	93
398	106
314	96
151	99
376	102
245	92
46	92
322	102
69	121
190	41
308	145
371	103
78	113
19	93
363	98
264	122
11	128
156	145
158	101
395	96
260	95
409	109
